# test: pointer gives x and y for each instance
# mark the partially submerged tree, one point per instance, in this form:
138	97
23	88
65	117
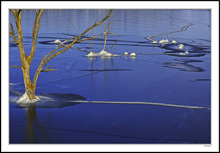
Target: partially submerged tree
26	60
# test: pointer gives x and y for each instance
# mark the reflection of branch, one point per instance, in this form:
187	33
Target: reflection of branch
16	66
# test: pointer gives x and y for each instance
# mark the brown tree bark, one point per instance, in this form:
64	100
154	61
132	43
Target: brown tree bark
26	60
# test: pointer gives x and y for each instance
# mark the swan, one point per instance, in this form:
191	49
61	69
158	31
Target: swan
126	53
181	46
57	41
132	54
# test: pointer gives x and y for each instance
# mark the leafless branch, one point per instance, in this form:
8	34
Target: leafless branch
16	66
35	31
12	34
74	29
48	70
53	53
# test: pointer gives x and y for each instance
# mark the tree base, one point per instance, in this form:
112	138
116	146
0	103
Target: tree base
26	99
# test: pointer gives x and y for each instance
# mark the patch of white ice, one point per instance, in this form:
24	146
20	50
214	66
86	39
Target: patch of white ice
133	55
25	99
92	54
126	53
57	41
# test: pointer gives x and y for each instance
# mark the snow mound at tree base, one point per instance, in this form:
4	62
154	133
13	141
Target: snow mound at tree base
26	100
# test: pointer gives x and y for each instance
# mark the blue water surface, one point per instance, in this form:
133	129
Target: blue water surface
158	74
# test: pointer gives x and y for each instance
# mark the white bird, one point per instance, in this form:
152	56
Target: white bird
126	53
132	54
181	46
57	41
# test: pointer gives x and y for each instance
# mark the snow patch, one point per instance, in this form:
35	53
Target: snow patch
103	53
133	55
57	41
92	54
25	99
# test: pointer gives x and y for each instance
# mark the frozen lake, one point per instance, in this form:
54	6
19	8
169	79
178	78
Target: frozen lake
158	74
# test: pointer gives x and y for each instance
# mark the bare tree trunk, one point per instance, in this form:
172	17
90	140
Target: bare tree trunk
29	87
26	60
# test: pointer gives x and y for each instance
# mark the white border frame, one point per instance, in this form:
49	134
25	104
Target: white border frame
214	6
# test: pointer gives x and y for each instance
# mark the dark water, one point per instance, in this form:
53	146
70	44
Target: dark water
158	74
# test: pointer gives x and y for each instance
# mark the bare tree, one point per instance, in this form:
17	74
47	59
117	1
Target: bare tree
26	60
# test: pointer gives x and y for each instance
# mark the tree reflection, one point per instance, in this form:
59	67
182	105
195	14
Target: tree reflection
31	117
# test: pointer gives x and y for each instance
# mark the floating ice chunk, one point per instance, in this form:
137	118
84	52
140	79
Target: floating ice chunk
154	42
25	99
166	41
126	53
181	54
174	42
57	41
92	54
103	52
133	55
181	46
185	53
108	54
162	41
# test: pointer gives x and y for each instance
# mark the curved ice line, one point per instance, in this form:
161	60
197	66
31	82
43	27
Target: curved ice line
141	103
184	28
